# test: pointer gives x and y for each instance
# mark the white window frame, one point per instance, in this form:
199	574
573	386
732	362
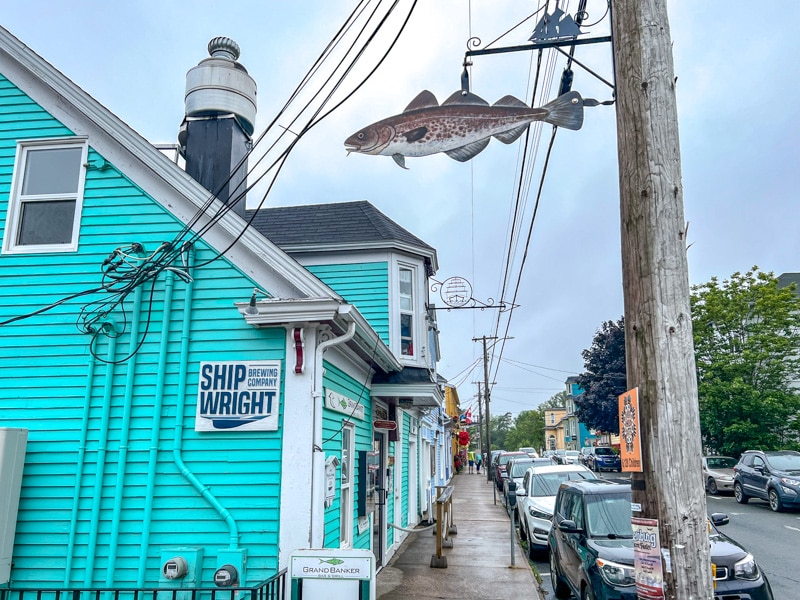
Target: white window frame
417	319
16	201
346	506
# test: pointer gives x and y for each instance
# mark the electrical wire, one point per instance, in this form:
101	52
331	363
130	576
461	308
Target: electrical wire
127	267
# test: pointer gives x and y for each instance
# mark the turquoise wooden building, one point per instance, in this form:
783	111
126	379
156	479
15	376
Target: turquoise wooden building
197	397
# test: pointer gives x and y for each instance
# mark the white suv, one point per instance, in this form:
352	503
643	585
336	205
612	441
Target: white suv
536	498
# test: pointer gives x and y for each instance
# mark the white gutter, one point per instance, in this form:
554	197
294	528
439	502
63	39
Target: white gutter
317	533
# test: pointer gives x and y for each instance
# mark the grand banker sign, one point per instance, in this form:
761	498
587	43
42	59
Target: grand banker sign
343	404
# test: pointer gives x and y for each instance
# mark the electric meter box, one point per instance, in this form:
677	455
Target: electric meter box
12	460
180	566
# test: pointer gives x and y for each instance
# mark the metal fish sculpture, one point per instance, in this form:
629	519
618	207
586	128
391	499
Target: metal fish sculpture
461	127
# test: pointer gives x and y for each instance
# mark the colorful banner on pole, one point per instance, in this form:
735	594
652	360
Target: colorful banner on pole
647	559
630	447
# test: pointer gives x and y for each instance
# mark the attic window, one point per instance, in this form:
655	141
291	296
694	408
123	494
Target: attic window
46	197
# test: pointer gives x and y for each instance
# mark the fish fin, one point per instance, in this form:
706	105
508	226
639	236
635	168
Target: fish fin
565	111
424	99
511	102
400	160
460	97
464	153
507	137
415	134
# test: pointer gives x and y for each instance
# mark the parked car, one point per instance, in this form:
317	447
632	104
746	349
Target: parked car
493	460
773	476
530	452
570	457
536	495
592	556
515	471
604	459
557	454
585	452
718	473
500	466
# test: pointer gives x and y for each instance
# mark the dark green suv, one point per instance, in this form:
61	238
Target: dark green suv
591	548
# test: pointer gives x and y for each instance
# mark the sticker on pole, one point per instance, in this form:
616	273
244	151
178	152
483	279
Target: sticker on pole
647	559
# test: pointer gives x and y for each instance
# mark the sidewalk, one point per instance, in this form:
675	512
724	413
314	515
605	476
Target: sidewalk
478	564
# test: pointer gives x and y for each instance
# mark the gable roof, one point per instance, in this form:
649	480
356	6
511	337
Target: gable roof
171	187
338	226
159	177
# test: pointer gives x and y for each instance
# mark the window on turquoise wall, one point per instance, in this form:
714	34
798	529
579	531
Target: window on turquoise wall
406	312
46	196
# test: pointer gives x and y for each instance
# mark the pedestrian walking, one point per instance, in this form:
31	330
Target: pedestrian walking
471	460
478	461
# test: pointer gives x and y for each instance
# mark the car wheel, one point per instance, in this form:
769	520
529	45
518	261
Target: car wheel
739	494
587	593
523	534
775	501
532	552
560	588
711	486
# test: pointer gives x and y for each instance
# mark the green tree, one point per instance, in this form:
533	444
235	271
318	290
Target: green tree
501	425
528	430
604	378
747	348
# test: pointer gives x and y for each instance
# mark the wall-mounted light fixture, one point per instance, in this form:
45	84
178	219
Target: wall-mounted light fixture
251	308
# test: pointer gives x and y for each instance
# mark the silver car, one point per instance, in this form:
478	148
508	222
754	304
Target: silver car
718	473
536	497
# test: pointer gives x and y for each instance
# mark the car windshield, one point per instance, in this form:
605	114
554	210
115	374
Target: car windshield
721	462
572	453
546	484
609	516
604	452
785	462
518	467
504	458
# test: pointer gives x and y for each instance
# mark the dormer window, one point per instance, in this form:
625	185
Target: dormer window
406	295
46	196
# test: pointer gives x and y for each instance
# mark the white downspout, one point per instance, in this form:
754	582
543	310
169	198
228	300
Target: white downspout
317	533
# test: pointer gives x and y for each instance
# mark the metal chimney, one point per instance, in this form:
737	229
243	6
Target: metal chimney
220	116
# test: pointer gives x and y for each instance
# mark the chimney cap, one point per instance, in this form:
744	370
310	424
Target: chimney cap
224	47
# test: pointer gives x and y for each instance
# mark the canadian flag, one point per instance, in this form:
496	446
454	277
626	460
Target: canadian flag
468	416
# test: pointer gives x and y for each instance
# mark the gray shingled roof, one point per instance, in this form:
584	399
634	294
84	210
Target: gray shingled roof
787	279
331	224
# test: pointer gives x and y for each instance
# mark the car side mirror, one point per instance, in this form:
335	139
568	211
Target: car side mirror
568	526
521	492
759	468
719	519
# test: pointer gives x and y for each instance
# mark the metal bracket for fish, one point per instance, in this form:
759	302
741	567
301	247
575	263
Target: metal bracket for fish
556	30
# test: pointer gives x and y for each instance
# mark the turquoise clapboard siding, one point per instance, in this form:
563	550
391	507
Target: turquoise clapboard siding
102	495
336	380
365	285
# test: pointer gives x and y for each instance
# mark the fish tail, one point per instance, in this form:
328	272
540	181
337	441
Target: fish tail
565	111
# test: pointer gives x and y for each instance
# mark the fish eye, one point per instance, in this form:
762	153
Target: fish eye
360	135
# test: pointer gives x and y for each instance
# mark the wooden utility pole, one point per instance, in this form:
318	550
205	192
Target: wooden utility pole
480	425
658	323
487	396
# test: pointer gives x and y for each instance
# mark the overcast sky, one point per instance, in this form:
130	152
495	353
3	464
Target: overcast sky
737	104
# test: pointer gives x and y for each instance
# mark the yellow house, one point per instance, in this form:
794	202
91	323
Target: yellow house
452	410
554	419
